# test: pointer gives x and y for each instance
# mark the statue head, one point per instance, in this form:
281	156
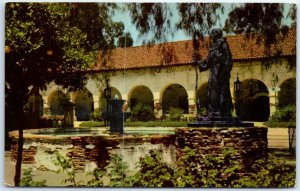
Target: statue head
216	34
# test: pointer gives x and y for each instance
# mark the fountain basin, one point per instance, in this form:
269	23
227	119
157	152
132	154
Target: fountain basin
91	147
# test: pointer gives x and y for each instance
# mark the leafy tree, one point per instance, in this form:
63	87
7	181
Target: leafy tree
198	18
125	40
151	18
41	47
45	43
95	20
195	18
262	18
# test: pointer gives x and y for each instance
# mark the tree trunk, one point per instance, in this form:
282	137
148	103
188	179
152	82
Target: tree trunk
17	178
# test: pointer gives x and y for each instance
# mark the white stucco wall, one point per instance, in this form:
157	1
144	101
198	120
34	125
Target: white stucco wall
158	79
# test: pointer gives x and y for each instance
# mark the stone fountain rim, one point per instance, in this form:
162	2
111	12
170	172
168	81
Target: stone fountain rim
33	134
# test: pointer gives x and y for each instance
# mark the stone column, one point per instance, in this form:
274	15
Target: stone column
46	106
125	105
191	101
272	101
157	105
96	102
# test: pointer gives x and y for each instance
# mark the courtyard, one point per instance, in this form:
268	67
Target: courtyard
150	95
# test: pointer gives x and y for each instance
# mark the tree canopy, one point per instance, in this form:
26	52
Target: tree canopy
263	22
199	18
95	19
125	40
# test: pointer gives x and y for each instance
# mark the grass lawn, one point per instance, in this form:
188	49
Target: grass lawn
280	124
284	154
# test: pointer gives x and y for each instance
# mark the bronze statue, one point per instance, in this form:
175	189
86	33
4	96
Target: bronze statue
219	60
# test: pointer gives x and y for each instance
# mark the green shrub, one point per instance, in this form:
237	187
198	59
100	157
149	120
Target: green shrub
28	181
175	113
209	171
153	172
116	170
284	114
97	178
66	166
202	112
96	115
212	171
142	112
271	174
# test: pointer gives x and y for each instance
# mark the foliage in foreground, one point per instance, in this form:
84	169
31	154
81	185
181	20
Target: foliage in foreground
211	171
273	174
187	173
216	172
154	172
116	170
66	166
28	181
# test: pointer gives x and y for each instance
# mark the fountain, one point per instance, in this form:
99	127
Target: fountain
90	147
115	116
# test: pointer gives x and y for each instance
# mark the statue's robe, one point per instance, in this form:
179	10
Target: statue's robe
219	60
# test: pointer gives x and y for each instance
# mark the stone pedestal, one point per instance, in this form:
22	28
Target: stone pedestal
251	143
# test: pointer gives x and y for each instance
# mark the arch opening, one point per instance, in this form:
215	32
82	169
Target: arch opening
84	105
141	95
287	93
254	104
175	96
56	102
201	96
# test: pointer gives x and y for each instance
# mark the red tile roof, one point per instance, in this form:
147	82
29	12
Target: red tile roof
180	53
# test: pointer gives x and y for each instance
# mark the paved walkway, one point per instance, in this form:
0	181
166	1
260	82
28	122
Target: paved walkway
277	138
